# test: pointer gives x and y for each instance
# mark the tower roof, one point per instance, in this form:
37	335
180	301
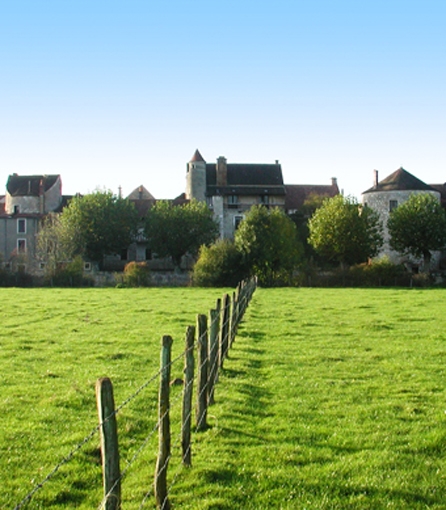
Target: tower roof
197	157
400	180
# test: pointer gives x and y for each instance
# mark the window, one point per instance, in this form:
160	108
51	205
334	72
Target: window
21	226
87	266
232	201
393	204
237	221
21	245
264	199
16	209
124	254
42	265
148	254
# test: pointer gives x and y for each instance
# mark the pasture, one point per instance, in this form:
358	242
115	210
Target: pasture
330	398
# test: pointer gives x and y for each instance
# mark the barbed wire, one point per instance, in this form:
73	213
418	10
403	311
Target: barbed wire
236	309
64	461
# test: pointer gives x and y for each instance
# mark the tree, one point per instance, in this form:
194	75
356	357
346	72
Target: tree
219	265
267	238
99	224
301	218
174	230
54	246
341	230
418	227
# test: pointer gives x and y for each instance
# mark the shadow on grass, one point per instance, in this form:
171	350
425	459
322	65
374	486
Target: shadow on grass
400	497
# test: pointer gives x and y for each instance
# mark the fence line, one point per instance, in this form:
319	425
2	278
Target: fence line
213	337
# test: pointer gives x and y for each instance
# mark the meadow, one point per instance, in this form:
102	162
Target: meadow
330	398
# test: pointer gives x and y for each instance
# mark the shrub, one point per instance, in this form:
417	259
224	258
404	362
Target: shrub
69	274
382	272
378	273
136	274
219	265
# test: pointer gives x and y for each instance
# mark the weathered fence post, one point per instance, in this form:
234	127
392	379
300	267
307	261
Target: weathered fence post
214	317
202	397
233	325
162	462
187	396
224	329
109	444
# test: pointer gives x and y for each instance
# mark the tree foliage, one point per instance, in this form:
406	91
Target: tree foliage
219	265
174	230
54	246
341	230
267	238
418	226
99	224
301	218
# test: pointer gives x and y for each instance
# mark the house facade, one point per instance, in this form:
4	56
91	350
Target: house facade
231	189
27	200
384	196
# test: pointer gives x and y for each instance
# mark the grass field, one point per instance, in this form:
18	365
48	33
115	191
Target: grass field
331	398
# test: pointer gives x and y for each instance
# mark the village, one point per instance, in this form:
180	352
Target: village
228	189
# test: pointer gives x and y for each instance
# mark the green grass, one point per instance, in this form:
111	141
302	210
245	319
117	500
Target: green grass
54	344
331	398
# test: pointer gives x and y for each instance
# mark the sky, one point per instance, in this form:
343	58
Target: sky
122	93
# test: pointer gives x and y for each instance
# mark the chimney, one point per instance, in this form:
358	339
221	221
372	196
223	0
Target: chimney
334	181
277	161
375	178
41	196
222	172
140	192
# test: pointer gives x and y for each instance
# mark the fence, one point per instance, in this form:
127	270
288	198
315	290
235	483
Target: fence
211	338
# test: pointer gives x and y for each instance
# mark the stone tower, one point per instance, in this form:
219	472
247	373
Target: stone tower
196	178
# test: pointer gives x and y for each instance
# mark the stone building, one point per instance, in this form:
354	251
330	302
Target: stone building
231	189
384	196
28	199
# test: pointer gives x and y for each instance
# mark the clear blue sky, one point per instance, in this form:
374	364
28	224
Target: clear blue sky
122	92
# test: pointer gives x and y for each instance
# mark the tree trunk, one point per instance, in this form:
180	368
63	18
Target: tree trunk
427	261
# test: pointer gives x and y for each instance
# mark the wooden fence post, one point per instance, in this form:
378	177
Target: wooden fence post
233	326
224	329
202	397
109	444
162	502
187	396
214	329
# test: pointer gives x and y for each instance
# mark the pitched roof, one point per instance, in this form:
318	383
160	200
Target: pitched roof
29	185
296	194
246	179
400	180
140	193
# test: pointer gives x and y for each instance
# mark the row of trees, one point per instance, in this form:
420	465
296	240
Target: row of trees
268	243
101	224
339	232
344	231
